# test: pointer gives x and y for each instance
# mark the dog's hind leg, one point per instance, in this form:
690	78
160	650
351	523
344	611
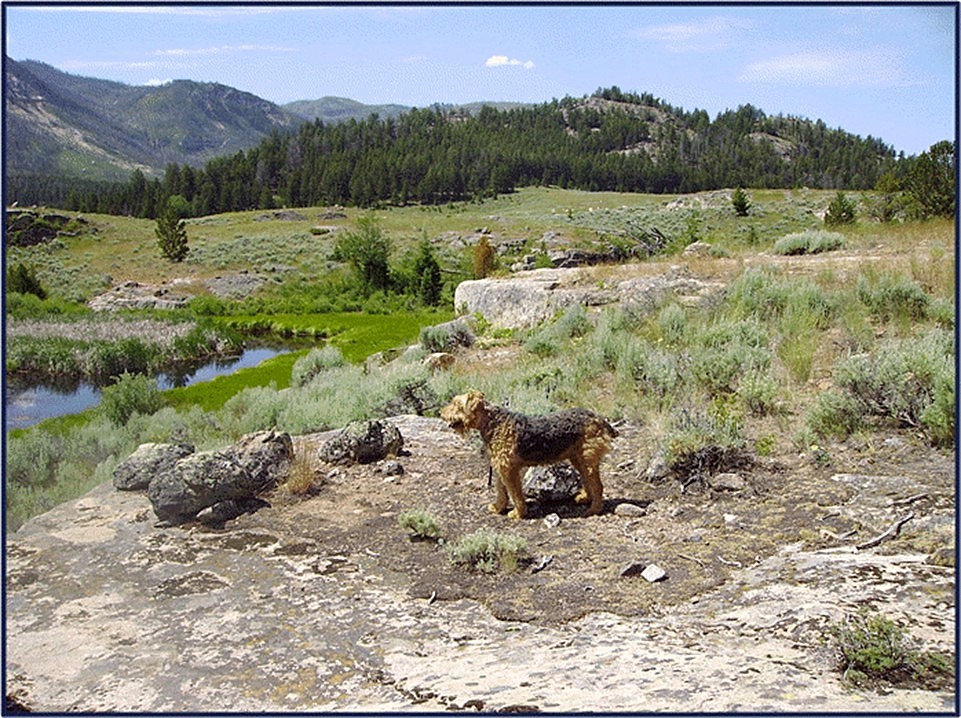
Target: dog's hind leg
591	490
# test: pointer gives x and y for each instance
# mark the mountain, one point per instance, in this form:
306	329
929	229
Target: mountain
70	126
341	109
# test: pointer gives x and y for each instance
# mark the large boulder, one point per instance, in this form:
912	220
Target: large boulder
149	460
529	298
557	482
362	442
235	474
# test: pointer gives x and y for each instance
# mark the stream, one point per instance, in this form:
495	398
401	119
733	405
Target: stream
26	405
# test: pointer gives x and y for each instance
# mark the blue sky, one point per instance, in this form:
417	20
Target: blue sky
886	71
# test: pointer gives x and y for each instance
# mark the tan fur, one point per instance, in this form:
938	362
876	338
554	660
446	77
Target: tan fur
516	441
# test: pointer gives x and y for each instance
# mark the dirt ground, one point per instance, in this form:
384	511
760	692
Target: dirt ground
699	535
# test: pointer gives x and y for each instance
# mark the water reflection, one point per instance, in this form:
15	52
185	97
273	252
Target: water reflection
26	404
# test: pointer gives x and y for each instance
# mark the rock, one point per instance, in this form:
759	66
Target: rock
529	298
542	563
149	460
448	336
362	442
657	468
439	360
557	482
392	468
650	572
626	509
697	249
653	573
134	295
726	482
240	472
552	521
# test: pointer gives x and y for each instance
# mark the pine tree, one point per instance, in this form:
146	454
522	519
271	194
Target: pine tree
427	273
740	202
172	233
840	211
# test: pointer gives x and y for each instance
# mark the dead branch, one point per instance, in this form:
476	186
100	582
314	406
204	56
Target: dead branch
892	532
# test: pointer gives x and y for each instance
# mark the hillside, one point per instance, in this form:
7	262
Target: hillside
66	125
609	141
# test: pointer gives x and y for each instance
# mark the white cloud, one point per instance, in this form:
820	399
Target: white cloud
157	82
831	68
707	35
505	61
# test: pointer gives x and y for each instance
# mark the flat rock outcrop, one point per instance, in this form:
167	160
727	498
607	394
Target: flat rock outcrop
527	298
323	603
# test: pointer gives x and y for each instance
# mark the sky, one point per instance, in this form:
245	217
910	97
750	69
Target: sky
888	71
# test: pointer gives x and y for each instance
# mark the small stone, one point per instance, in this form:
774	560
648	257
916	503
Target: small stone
654	573
730	519
657	468
627	509
552	521
727	482
635	568
542	563
392	468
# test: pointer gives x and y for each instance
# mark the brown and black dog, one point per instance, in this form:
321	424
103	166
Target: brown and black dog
516	441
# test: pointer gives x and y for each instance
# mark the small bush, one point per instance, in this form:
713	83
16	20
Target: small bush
421	524
488	552
812	241
315	362
910	381
893	297
130	394
873	648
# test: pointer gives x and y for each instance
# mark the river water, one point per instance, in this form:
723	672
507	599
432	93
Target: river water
27	405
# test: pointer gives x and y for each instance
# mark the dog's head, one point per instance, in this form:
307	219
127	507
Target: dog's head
464	411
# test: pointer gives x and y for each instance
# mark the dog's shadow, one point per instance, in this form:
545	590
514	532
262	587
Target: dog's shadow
568	509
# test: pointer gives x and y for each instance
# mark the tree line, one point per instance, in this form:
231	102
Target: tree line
611	141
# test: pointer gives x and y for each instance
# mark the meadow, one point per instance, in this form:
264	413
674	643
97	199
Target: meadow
833	334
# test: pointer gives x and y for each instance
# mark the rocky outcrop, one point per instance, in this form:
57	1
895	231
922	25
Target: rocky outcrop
134	295
557	482
324	604
528	298
180	484
363	442
149	460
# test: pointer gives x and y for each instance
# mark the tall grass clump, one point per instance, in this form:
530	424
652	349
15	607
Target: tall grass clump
727	351
909	381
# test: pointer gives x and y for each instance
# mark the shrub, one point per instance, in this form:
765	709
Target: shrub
896	297
315	362
301	477
421	524
130	394
488	552
873	648
549	339
483	258
811	241
908	380
23	280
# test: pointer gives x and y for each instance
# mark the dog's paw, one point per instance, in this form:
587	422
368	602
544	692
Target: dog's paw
515	514
495	509
582	497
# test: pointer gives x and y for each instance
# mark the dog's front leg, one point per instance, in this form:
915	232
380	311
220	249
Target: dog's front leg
512	482
500	503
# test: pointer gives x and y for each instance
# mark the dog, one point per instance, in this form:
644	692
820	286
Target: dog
515	441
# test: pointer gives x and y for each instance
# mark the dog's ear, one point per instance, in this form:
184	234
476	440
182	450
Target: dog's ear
474	400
